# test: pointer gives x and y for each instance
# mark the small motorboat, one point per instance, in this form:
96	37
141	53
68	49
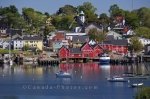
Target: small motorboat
128	75
104	59
63	74
117	79
136	84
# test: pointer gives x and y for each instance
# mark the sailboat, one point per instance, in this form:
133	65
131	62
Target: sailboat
10	60
63	74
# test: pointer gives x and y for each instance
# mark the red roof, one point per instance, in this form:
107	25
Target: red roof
59	37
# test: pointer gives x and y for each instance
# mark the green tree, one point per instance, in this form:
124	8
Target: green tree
114	10
47	14
97	35
48	29
26	47
144	16
35	19
11	17
135	44
104	20
143	32
132	19
67	10
63	22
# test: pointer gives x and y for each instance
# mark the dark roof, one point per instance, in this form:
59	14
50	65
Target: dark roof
115	42
14	32
105	42
81	39
32	38
120	42
98	26
110	37
3	26
75	50
17	38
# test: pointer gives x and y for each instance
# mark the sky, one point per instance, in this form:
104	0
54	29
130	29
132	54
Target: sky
51	6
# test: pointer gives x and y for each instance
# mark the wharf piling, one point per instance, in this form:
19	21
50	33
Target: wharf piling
48	62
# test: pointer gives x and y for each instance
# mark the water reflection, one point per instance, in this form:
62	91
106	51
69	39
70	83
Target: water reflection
82	73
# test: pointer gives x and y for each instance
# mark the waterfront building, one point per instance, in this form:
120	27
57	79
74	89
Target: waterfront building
33	42
85	51
94	51
116	46
17	43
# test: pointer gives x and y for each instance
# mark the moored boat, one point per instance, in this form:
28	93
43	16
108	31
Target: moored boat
63	74
128	75
136	84
117	79
104	59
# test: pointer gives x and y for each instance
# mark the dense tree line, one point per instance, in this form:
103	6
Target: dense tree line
33	21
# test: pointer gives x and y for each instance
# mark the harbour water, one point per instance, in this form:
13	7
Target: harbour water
88	81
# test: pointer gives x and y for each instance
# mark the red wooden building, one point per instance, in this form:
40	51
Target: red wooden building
117	46
93	52
86	51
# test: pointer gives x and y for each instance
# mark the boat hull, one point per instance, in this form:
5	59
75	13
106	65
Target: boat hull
137	85
104	60
117	79
112	80
63	76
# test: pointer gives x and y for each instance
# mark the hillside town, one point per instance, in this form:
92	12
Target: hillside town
71	50
84	41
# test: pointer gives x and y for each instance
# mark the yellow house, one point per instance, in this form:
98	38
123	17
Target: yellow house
33	42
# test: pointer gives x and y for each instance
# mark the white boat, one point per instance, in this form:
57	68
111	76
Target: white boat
63	74
128	75
104	59
137	84
117	79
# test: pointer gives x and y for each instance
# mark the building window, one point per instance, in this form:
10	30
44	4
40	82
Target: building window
86	55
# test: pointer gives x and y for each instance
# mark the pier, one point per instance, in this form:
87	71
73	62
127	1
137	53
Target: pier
47	62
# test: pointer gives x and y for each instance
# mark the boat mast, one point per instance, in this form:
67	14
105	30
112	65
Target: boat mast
10	60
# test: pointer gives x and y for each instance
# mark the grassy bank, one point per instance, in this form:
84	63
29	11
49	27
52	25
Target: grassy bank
144	93
26	53
5	51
